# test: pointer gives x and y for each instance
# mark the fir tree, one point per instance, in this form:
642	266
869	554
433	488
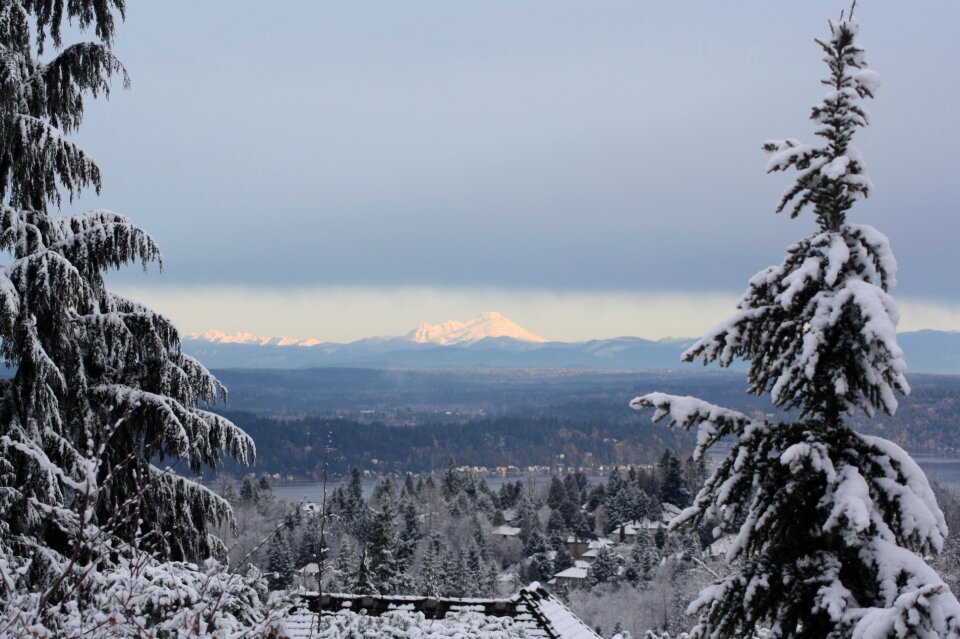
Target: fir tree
430	579
360	582
386	564
835	524
311	548
673	484
264	489
248	491
96	375
557	494
535	543
355	513
280	562
490	581
605	567
454	573
474	574
597	496
480	540
345	567
555	523
563	559
410	534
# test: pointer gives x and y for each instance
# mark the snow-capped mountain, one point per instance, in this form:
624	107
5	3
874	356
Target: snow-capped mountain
220	337
491	340
489	324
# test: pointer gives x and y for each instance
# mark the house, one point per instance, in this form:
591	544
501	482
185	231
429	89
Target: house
532	612
506	532
312	508
574	576
720	547
628	532
306	576
577	546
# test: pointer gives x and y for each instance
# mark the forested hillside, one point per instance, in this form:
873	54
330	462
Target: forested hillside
415	421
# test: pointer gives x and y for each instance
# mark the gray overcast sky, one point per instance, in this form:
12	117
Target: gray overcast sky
568	150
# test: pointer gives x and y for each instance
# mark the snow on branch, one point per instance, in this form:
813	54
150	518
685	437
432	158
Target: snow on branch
712	422
820	328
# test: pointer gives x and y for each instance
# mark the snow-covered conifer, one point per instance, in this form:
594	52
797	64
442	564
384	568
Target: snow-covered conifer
311	547
98	379
387	567
430	578
673	485
280	561
832	526
360	582
605	568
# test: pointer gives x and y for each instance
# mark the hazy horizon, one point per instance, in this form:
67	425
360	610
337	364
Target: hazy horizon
346	315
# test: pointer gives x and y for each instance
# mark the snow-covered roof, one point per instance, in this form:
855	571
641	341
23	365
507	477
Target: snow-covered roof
506	531
310	569
575	572
720	547
632	528
669	511
562	622
533	612
597	544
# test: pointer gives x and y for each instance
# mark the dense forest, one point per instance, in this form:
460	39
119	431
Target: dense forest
296	447
544	418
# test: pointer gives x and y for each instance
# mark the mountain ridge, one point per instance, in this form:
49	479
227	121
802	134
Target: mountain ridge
927	351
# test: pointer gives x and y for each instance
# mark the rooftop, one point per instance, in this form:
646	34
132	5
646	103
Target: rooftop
532	613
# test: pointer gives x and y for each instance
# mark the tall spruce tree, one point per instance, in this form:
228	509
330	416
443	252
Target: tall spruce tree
280	561
383	552
96	375
673	485
835	524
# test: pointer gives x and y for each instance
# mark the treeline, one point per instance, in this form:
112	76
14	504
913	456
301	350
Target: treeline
297	446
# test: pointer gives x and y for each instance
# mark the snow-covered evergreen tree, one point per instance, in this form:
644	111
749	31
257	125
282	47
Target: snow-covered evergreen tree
673	485
835	524
311	547
430	578
642	559
605	567
100	383
280	561
385	556
344	567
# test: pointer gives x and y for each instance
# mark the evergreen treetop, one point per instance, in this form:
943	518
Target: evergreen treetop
819	330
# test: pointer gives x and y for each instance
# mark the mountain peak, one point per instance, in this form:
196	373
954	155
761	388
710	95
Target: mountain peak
488	324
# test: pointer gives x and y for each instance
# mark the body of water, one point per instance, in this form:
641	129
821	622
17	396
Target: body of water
943	470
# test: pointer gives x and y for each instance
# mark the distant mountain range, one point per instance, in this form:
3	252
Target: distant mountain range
493	341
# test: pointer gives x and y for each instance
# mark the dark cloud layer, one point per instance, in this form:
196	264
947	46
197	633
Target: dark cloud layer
555	145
